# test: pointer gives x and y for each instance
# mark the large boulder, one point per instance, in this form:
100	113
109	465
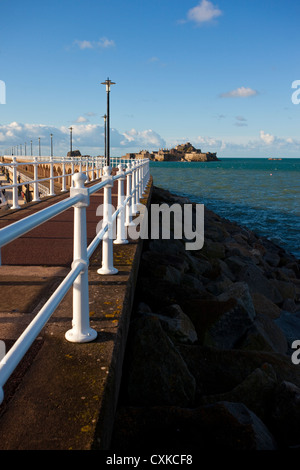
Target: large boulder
228	328
158	375
222	426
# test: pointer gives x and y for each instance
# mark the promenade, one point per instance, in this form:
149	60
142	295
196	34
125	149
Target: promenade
63	395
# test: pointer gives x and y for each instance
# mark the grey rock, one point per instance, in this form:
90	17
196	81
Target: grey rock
158	375
264	335
258	282
290	325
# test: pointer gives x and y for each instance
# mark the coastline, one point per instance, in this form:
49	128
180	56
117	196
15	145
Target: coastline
209	355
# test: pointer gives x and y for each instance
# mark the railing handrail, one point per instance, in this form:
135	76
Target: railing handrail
78	275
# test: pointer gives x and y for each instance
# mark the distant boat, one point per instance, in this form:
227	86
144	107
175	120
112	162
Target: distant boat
274	158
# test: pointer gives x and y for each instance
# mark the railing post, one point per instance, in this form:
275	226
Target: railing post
15	187
107	242
52	193
121	231
134	188
36	196
128	215
140	181
72	171
63	186
81	331
92	178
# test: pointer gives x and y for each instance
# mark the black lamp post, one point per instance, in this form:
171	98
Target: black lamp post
31	147
108	83
105	154
71	129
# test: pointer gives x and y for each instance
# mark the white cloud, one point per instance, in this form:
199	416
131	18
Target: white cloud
267	138
147	138
204	12
241	92
84	44
87	137
103	43
81	119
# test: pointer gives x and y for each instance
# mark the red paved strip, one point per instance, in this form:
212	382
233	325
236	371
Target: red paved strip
50	244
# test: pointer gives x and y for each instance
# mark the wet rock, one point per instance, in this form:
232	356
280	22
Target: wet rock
158	375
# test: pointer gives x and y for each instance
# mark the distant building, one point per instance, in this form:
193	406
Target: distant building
182	152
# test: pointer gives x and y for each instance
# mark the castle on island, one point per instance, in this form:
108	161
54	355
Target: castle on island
181	153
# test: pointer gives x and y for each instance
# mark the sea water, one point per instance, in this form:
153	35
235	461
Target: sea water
260	194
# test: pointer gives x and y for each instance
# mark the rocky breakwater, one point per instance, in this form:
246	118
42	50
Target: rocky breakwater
209	357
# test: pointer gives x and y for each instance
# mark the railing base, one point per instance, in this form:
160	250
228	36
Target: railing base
107	271
121	242
87	336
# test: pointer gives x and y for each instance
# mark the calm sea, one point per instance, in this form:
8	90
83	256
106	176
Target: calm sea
257	193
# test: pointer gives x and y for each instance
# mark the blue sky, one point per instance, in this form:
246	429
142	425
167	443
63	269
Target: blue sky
215	73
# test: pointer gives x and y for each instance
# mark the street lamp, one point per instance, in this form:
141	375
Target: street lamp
31	147
71	129
51	135
105	154
108	83
25	150
39	146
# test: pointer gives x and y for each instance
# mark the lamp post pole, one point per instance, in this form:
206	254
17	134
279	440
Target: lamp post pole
105	153
39	146
71	129
108	83
51	135
31	147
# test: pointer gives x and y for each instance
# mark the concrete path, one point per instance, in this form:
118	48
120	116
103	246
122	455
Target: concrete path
63	395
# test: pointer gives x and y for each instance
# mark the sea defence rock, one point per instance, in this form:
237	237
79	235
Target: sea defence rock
241	296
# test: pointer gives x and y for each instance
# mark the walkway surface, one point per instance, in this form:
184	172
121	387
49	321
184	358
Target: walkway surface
63	395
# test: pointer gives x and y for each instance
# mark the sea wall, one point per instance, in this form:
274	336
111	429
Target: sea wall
209	355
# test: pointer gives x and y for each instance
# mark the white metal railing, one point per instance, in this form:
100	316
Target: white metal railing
13	166
137	175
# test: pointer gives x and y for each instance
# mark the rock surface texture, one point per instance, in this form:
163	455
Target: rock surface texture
209	362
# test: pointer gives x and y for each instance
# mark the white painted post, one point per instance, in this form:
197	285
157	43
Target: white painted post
121	231
140	182
128	216
87	168
52	193
73	171
107	242
36	196
64	186
15	188
92	178
81	331
134	188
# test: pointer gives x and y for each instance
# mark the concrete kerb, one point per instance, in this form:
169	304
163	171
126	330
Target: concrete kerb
68	396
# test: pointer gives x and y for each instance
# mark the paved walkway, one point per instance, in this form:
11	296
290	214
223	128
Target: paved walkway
63	395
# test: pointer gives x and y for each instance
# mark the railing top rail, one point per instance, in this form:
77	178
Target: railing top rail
19	228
